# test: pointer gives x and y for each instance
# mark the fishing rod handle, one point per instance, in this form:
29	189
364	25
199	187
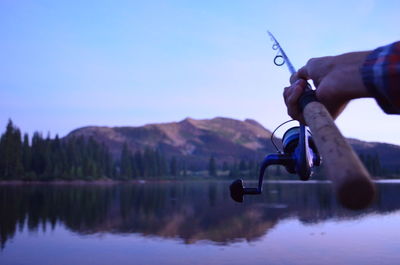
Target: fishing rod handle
351	181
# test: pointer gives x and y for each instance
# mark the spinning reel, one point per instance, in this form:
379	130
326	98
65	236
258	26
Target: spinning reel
299	156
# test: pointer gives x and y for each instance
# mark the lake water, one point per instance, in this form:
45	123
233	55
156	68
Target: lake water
194	223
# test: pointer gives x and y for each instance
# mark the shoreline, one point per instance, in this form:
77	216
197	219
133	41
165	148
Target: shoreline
76	182
101	181
143	181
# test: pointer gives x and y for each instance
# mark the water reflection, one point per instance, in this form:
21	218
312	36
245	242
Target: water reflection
190	211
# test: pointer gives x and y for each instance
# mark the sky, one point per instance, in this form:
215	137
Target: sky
69	64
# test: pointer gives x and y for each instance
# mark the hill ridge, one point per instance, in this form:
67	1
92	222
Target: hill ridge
225	139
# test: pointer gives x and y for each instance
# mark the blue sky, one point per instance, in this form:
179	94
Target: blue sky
67	64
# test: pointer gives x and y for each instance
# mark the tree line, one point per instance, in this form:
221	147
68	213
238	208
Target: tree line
44	158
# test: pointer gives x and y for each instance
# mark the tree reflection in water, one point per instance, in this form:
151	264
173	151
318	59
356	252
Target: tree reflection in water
190	211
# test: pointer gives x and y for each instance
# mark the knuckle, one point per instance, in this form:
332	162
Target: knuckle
286	92
311	61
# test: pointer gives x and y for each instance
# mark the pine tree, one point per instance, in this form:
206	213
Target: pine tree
173	168
212	167
126	162
184	169
107	163
234	170
38	158
253	169
11	153
26	154
138	161
161	164
225	166
147	163
242	165
375	165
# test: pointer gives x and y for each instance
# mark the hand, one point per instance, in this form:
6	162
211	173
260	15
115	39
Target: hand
337	80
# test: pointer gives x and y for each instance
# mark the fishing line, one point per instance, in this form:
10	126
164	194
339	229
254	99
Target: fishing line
272	136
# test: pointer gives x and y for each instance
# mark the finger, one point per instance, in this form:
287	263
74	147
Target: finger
289	91
292	99
286	93
294	114
303	73
296	93
293	78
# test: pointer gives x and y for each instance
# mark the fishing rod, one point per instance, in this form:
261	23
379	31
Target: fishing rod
302	151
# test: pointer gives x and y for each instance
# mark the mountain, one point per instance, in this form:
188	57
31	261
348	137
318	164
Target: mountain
389	154
228	140
195	141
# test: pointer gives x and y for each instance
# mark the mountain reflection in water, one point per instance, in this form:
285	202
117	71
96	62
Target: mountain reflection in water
189	211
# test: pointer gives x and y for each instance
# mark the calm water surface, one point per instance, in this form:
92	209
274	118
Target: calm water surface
194	223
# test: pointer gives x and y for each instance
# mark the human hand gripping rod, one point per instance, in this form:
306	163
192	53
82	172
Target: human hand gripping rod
351	181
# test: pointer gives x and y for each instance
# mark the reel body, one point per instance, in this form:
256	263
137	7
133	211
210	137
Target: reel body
299	156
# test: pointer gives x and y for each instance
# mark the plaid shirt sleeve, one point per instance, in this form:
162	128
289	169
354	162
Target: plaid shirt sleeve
381	76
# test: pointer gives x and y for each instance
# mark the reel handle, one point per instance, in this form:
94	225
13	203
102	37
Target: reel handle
238	190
